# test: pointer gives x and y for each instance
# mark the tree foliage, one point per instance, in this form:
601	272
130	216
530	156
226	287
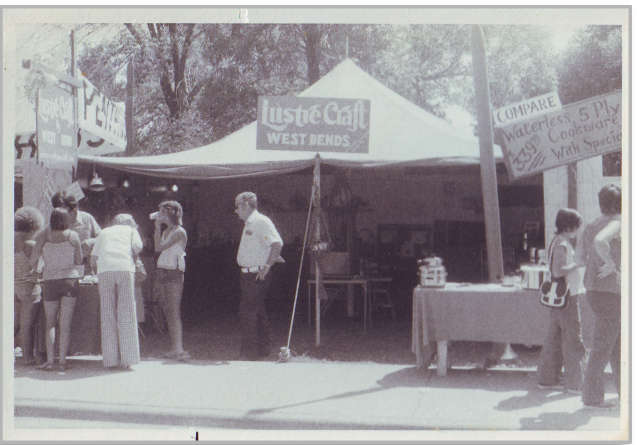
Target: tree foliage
592	65
424	63
197	83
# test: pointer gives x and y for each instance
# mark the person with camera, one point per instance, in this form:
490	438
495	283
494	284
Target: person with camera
170	240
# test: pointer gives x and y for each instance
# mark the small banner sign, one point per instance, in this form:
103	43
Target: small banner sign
313	124
75	190
100	115
54	123
580	130
526	109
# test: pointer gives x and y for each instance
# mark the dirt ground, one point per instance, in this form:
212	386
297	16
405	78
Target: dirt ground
216	337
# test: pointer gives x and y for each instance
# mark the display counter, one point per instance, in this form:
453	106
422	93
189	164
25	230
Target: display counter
85	326
474	312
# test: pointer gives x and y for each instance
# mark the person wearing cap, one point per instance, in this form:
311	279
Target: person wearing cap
170	243
83	223
259	249
113	259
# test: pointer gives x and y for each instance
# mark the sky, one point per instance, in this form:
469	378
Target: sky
562	34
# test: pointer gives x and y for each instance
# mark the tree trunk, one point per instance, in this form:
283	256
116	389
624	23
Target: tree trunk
169	95
312	37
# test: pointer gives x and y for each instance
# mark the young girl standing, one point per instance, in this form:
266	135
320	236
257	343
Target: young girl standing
563	343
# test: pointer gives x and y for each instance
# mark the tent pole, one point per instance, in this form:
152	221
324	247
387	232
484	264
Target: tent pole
317	228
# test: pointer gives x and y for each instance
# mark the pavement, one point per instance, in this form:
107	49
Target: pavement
302	394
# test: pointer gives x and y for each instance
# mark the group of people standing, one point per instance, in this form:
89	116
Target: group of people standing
50	261
597	250
72	237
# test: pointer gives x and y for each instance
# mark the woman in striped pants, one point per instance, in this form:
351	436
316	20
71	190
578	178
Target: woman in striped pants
113	258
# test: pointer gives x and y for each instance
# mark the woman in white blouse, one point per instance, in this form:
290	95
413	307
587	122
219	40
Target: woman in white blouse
113	258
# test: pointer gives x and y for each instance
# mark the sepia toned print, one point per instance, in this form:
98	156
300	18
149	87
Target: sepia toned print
346	218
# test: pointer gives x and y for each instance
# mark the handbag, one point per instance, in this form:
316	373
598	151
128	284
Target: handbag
553	291
140	270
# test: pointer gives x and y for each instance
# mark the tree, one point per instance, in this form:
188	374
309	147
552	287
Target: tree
423	62
171	44
242	62
592	65
248	60
197	83
520	62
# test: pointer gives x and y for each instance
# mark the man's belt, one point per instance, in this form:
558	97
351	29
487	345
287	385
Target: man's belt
251	269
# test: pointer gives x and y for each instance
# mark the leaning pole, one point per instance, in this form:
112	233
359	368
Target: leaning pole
488	175
487	159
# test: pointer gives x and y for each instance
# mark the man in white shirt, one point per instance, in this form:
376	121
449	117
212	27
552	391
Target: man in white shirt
83	223
259	250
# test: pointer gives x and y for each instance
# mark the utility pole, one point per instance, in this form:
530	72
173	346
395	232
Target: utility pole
76	143
572	185
487	159
130	124
489	178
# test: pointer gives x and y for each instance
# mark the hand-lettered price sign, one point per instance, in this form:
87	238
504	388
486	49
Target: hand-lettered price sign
580	130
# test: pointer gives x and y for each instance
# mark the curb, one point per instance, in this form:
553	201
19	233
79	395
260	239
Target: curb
209	418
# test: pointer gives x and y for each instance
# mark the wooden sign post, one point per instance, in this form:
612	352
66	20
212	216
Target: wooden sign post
487	160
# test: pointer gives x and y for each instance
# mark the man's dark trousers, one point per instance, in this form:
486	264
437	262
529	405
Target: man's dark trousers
253	319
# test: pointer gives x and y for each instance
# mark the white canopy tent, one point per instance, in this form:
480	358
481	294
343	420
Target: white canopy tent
401	134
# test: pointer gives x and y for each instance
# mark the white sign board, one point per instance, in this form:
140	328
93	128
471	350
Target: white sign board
313	124
580	130
100	115
526	109
75	190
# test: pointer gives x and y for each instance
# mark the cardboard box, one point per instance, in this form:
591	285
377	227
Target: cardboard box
333	263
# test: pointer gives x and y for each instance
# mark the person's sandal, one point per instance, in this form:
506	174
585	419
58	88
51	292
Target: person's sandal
183	356
26	362
169	355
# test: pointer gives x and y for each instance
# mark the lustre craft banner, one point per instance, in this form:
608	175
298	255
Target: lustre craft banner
580	130
313	124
